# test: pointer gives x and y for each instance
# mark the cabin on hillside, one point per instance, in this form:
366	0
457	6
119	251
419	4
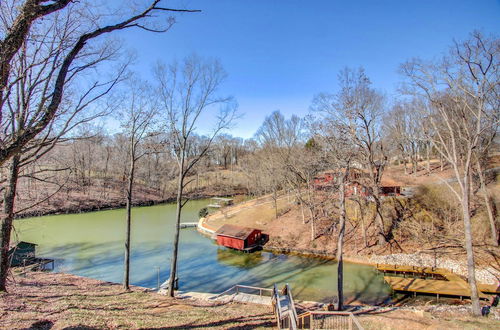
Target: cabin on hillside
331	178
356	184
239	238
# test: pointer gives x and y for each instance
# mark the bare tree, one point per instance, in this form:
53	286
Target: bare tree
47	60
277	137
461	93
363	108
188	91
336	141
137	121
480	160
405	128
334	132
289	162
67	57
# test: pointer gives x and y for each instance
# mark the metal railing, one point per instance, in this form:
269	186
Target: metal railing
246	289
328	320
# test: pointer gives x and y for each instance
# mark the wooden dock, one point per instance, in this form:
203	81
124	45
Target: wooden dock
245	294
430	280
188	224
237	293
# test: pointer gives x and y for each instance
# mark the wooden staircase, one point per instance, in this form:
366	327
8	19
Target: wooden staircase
284	308
286	315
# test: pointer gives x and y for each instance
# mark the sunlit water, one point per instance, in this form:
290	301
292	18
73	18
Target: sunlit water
92	245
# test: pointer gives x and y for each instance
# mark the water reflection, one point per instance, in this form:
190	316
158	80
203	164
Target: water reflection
92	245
234	258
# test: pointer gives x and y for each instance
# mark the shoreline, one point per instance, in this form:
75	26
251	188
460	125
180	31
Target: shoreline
203	229
484	275
102	207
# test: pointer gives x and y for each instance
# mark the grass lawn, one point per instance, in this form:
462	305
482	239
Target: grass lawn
61	301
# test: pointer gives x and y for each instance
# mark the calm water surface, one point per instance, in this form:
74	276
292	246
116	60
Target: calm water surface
91	245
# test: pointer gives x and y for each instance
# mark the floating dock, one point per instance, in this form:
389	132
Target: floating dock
218	202
188	224
430	280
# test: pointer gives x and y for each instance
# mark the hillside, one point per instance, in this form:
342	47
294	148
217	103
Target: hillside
41	198
425	229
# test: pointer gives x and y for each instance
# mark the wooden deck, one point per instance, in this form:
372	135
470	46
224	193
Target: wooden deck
430	280
437	287
489	288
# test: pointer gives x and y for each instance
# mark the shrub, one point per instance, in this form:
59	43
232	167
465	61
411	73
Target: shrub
203	212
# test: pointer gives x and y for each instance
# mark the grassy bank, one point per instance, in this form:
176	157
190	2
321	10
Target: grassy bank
61	301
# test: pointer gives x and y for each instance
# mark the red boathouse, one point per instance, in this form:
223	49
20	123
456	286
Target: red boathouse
240	238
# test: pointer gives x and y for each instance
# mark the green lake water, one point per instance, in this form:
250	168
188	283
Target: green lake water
92	244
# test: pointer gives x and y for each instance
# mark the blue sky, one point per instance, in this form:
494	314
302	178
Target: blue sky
280	53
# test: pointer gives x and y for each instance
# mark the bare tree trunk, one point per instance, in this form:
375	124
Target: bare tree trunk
428	156
311	213
275	201
126	275
378	218
302	211
489	208
363	229
415	164
6	222
173	265
340	242
312	229
471	269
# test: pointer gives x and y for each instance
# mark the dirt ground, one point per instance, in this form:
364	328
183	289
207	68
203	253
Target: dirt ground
394	175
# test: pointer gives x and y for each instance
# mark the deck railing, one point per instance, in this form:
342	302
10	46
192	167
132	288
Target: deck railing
293	311
328	320
247	289
285	319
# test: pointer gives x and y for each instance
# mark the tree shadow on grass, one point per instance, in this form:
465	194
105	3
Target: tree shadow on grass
253	321
42	325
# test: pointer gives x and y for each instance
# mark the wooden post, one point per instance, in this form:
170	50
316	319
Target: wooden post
158	277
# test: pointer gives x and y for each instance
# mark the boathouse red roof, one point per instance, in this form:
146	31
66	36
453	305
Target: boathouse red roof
240	238
235	231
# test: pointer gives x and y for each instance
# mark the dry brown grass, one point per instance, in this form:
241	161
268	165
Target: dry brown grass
61	301
417	319
257	213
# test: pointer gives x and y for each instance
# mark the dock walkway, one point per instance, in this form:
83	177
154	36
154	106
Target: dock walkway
188	224
430	280
237	293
